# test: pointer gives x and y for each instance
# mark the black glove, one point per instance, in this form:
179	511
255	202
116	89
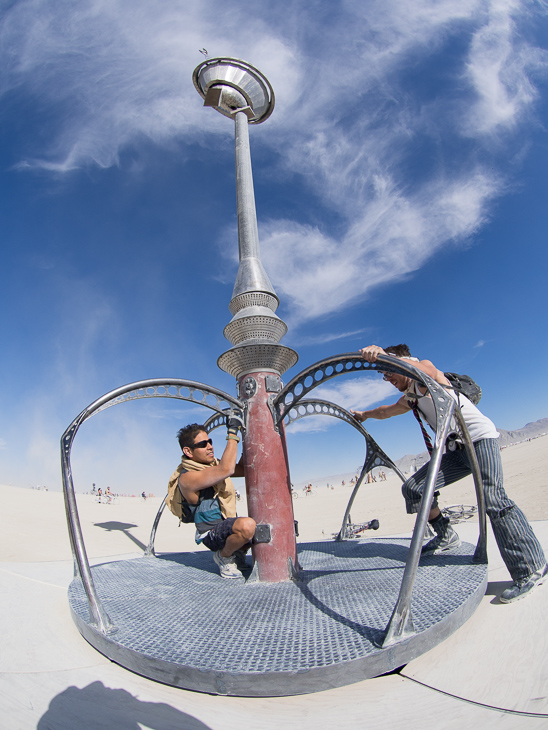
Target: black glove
235	423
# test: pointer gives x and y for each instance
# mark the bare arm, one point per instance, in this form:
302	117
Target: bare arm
382	412
428	367
192	482
372	352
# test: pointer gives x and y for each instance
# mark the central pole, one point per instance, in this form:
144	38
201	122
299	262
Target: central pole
256	358
264	448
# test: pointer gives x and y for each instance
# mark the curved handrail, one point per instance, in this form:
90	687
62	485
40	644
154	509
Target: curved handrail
151	388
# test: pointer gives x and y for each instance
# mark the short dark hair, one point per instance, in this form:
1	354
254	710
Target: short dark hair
398	350
187	434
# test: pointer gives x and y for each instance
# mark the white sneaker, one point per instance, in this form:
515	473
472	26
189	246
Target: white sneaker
517	591
227	566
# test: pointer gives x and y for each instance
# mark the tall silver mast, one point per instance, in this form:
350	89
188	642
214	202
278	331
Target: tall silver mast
238	90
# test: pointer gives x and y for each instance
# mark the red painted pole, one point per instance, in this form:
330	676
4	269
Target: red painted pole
267	482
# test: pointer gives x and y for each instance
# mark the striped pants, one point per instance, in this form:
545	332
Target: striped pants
519	548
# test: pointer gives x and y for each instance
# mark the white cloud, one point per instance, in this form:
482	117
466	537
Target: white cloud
393	236
333	337
120	70
498	69
351	393
352	110
357	393
310	424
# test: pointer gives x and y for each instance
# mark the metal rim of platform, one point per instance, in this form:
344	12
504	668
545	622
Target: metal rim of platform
261	640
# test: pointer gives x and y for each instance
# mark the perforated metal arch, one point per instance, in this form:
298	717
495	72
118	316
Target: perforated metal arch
401	623
350	362
374	455
177	388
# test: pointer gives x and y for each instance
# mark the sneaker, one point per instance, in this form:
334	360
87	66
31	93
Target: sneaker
240	560
522	589
444	543
227	566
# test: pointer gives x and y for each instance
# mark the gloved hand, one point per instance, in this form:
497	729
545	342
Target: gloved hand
235	423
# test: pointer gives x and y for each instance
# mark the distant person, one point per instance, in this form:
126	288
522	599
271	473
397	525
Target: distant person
144	496
519	548
205	483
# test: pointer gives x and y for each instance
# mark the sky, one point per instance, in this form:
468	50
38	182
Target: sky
401	195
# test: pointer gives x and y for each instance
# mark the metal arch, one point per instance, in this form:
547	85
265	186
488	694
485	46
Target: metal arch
219	419
332	367
215	421
317	374
374	455
400	625
158	388
152	388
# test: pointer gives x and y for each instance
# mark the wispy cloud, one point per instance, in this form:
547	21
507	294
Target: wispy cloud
361	93
499	68
330	337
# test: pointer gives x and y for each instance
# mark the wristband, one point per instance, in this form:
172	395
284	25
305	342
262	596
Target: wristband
233	437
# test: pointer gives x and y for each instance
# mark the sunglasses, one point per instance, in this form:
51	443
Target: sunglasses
202	444
386	376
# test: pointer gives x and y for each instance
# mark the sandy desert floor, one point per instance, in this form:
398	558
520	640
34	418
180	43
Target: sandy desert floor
493	671
33	524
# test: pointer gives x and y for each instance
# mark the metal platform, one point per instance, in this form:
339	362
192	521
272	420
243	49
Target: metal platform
180	623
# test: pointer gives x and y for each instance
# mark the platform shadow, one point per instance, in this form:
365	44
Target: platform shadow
372	634
384	548
200	560
97	707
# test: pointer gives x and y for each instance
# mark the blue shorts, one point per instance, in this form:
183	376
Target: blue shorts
218	535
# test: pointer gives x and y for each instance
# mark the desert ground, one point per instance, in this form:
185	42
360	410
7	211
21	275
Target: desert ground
492	672
33	522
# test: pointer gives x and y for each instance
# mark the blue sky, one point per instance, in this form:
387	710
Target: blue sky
401	196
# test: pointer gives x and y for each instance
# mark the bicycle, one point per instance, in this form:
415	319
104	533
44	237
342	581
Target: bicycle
107	499
460	512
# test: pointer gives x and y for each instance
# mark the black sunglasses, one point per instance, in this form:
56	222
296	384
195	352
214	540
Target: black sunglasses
202	444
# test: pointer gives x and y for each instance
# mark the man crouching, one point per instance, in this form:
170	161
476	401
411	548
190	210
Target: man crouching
205	484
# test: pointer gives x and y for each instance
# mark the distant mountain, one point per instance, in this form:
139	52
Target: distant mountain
529	431
411	462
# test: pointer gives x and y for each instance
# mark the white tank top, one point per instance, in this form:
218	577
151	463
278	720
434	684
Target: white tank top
478	425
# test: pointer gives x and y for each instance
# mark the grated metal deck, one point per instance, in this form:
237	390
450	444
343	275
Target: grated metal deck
180	623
